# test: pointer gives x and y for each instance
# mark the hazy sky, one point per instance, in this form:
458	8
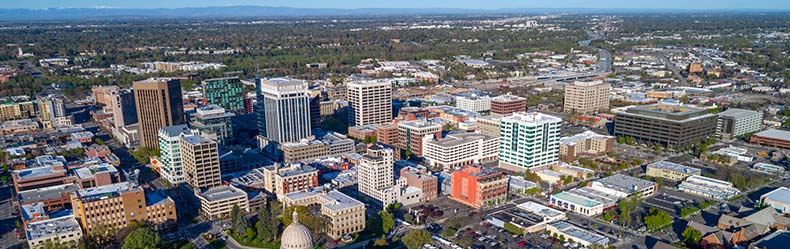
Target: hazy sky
470	4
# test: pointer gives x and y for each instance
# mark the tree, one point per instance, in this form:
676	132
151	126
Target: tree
99	141
381	242
530	176
609	215
266	226
49	244
657	219
686	211
238	220
449	233
691	236
315	223
415	239
141	238
387	221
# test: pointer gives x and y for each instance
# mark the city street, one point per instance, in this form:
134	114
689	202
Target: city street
8	218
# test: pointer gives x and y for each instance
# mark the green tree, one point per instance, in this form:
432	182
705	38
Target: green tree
387	221
141	238
415	239
381	242
691	236
656	219
532	177
99	141
267	225
315	223
686	211
238	220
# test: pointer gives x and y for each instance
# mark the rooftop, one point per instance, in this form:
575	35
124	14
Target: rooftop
196	139
38	172
624	183
775	134
582	137
530	118
175	130
153	198
420	124
739	113
90	171
52	227
669	112
675	167
222	193
541	210
33	210
459	139
106	191
781	194
506	98
43	194
579	233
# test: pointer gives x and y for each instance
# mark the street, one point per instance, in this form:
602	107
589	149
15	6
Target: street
8	219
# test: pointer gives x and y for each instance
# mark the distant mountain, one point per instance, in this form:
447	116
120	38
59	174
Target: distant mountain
265	12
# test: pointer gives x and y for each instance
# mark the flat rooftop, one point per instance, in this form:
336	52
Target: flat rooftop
781	194
675	113
106	191
675	167
530	118
197	139
29	173
775	134
624	183
581	137
222	193
333	199
459	139
153	198
52	227
33	210
175	130
506	98
543	211
580	233
739	113
43	194
90	171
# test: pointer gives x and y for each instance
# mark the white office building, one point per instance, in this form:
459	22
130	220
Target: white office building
457	150
370	102
170	152
283	110
474	103
733	123
529	141
709	187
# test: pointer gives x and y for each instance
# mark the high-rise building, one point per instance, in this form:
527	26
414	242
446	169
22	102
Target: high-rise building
200	160
507	104
587	97
50	108
117	205
529	141
227	93
412	133
738	122
171	168
315	109
283	110
474	103
159	104
376	171
101	94
370	102
216	203
669	125
124	109
213	122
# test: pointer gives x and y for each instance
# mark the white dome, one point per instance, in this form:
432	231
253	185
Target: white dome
296	236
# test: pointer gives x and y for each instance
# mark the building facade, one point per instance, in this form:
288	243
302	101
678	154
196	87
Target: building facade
474	103
117	205
669	125
213	122
734	123
587	143
216	203
369	102
124	109
227	93
672	171
507	104
344	214
282	179
376	171
529	141
412	134
773	138
479	187
586	97
170	167
159	104
461	149
283	110
200	160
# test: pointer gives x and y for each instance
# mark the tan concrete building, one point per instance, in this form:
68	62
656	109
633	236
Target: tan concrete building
282	179
461	149
62	230
672	171
159	104
101	94
587	143
488	125
369	102
411	134
331	144
17	110
587	97
117	205
216	203
344	214
200	160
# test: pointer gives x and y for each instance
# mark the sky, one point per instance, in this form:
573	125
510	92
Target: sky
464	4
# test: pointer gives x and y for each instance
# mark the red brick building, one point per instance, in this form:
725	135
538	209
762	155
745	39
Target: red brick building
773	138
422	179
479	187
507	104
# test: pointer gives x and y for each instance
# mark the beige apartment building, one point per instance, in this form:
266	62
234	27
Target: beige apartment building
17	110
200	160
672	171
344	214
216	203
159	104
587	97
587	143
115	206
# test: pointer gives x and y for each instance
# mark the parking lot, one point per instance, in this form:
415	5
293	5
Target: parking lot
671	201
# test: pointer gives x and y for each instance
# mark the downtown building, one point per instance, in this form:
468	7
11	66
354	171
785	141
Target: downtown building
282	179
507	104
529	141
587	97
734	123
200	161
412	134
118	205
603	194
669	125
375	175
213	122
283	111
461	149
332	144
216	203
345	215
227	93
587	143
168	164
159	104
369	101
479	187
474	103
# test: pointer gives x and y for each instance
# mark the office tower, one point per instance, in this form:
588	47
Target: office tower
376	171
213	122
461	149
118	205
669	125
474	103
171	167
101	94
200	159
227	93
370	102
586	97
529	141
124	109
733	123
283	110
507	104
412	134
50	107
315	109
159	104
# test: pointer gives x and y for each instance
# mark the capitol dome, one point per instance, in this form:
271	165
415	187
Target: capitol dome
296	236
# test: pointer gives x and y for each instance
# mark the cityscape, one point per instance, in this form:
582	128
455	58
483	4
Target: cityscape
416	125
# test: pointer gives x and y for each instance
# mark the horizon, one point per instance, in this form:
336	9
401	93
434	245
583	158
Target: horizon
410	4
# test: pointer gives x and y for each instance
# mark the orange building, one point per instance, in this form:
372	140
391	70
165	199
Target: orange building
695	68
388	134
479	187
117	205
